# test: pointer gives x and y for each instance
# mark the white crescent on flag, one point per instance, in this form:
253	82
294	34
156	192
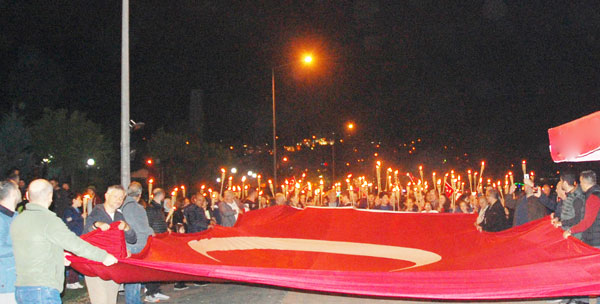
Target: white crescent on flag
417	256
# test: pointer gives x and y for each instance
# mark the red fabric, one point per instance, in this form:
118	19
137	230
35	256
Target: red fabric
592	206
576	141
341	250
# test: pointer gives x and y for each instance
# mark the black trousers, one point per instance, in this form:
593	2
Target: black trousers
152	288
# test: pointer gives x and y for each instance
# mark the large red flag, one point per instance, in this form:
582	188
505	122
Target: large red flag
576	141
376	253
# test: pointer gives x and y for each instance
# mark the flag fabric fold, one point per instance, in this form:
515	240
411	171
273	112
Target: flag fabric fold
362	252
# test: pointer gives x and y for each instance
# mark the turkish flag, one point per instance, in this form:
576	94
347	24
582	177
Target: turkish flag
365	252
576	141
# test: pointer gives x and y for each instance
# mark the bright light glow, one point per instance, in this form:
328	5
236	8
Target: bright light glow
233	170
307	59
254	175
350	126
91	162
218	179
250	173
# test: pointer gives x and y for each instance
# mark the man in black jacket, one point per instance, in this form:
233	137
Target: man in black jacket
157	220
196	215
494	219
154	210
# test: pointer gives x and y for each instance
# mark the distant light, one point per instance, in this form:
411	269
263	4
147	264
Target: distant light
250	173
233	170
91	162
254	175
285	158
218	179
350	126
308	59
149	161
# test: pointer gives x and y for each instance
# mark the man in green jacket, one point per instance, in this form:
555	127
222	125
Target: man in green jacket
39	240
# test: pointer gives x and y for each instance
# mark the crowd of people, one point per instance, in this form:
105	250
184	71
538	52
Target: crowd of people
42	220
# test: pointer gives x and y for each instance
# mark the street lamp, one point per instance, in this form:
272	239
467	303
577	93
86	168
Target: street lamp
90	163
307	59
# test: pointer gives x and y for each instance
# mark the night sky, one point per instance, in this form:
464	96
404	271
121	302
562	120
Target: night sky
486	76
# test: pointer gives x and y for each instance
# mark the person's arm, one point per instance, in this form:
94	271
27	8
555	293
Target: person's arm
592	205
93	217
130	236
69	218
58	233
546	201
5	247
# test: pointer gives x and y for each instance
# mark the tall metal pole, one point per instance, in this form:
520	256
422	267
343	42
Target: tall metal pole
333	159
125	162
274	130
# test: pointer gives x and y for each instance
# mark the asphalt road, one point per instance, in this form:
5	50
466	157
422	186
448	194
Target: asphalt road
228	293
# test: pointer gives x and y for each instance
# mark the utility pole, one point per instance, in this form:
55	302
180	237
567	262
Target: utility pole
125	143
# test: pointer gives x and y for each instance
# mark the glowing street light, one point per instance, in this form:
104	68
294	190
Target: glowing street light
350	126
233	170
91	162
307	59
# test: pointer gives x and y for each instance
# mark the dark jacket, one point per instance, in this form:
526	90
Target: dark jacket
196	218
252	205
527	209
60	202
72	217
591	236
494	219
520	209
100	215
156	217
573	208
535	209
178	220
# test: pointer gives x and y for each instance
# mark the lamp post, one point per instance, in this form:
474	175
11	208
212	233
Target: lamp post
125	142
306	60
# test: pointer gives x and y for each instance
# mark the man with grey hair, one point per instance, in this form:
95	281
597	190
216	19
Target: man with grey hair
590	224
135	215
100	290
229	209
39	241
10	196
